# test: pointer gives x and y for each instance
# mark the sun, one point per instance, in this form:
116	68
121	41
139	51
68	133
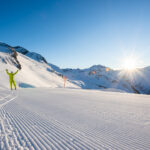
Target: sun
129	64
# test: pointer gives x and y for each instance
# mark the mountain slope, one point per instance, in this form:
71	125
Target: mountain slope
32	73
32	55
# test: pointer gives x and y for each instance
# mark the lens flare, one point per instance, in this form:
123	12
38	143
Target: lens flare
129	64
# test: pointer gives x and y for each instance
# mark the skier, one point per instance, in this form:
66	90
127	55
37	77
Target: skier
11	78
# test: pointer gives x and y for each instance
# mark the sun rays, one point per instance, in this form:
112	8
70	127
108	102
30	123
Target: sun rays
130	63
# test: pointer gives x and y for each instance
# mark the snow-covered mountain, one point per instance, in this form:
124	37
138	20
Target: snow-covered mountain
98	77
101	77
33	72
32	55
37	72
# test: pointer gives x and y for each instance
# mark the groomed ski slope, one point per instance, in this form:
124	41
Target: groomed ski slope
46	118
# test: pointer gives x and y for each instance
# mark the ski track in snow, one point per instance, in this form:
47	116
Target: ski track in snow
27	129
21	129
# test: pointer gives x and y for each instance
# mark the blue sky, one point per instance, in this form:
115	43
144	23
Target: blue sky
79	33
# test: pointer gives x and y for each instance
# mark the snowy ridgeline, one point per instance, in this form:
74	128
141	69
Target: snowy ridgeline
60	119
37	72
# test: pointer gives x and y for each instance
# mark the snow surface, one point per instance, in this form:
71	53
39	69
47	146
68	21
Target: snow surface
58	118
